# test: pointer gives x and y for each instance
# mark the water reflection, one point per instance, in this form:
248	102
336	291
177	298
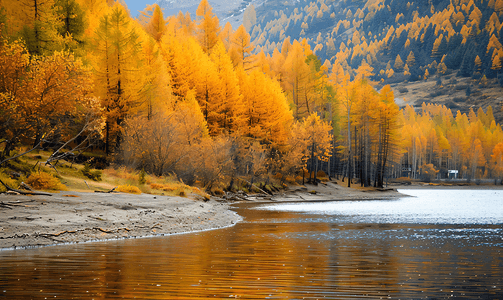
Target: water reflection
271	255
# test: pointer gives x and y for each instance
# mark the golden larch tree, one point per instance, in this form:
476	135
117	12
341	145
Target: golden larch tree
207	26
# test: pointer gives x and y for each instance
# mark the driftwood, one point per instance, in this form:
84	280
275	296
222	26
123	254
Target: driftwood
26	186
24	193
268	194
236	197
107	192
9	205
6	205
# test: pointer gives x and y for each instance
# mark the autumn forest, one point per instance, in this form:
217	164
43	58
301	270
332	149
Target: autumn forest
189	96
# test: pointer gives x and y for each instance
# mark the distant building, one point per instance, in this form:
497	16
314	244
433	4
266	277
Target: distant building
453	174
406	170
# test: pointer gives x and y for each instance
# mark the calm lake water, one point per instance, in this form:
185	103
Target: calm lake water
441	244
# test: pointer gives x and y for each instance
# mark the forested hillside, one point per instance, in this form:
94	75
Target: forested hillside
400	40
189	96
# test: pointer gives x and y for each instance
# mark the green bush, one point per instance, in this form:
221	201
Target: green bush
94	175
141	179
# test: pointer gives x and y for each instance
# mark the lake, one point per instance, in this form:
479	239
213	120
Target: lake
438	244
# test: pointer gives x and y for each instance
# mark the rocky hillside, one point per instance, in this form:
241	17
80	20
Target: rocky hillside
227	11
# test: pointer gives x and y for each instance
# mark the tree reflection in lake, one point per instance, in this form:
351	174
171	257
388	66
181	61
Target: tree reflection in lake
272	255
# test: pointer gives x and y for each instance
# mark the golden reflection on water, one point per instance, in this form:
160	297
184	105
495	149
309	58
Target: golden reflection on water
268	256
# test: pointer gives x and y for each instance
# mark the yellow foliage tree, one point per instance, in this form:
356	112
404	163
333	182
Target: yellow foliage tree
398	62
116	61
207	27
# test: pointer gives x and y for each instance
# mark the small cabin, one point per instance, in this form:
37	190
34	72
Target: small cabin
452	174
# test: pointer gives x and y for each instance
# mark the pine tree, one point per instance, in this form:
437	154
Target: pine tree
411	59
156	25
231	108
116	61
406	71
398	62
40	26
207	26
242	48
496	63
249	17
71	23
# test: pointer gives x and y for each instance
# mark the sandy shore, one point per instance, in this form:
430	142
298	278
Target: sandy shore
328	191
71	217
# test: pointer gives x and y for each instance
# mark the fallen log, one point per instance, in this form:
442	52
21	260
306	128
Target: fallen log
253	184
5	205
108	192
24	193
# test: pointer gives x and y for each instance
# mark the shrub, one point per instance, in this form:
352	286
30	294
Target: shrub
402	180
180	192
168	188
141	177
156	186
218	192
45	181
291	180
94	175
174	188
8	181
429	172
403	90
320	173
130	189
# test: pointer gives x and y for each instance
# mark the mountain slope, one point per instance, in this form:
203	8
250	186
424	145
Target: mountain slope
402	41
227	11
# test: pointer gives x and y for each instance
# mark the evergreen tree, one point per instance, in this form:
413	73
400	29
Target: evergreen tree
116	61
207	26
71	23
40	28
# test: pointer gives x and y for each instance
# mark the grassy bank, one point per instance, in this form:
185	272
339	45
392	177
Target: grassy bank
66	175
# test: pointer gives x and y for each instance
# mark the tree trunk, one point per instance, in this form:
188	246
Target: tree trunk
349	149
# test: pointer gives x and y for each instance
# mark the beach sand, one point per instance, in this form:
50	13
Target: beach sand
72	217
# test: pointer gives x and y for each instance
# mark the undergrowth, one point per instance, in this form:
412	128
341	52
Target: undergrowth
8	181
130	189
45	181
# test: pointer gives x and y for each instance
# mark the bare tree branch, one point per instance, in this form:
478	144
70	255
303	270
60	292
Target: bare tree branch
22	192
19	155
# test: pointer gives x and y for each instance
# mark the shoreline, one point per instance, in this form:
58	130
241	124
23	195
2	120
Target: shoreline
77	217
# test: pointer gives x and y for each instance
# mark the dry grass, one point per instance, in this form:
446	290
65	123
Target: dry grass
69	177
